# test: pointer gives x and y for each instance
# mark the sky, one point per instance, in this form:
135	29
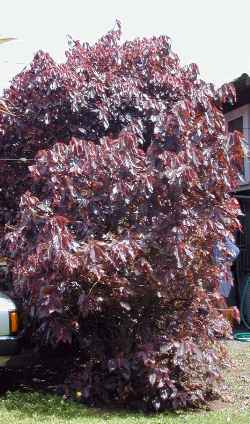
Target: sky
215	34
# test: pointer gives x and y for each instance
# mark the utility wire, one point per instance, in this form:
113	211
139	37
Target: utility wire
17	160
13	63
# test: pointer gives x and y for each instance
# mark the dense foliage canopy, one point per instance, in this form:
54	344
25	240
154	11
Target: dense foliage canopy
112	213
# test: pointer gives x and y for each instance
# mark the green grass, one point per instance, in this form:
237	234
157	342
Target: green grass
18	407
31	408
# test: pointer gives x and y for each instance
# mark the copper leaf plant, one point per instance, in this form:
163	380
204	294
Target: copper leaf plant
111	219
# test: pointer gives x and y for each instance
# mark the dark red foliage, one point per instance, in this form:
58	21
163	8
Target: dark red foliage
118	215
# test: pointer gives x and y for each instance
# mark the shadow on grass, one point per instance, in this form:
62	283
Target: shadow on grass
32	392
28	404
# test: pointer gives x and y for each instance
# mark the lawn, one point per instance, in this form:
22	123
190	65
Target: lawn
30	408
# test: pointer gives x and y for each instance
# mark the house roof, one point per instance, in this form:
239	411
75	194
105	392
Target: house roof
242	86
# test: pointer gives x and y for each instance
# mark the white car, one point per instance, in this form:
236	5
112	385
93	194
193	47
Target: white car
8	329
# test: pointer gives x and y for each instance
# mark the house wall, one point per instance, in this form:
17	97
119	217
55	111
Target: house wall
243	111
